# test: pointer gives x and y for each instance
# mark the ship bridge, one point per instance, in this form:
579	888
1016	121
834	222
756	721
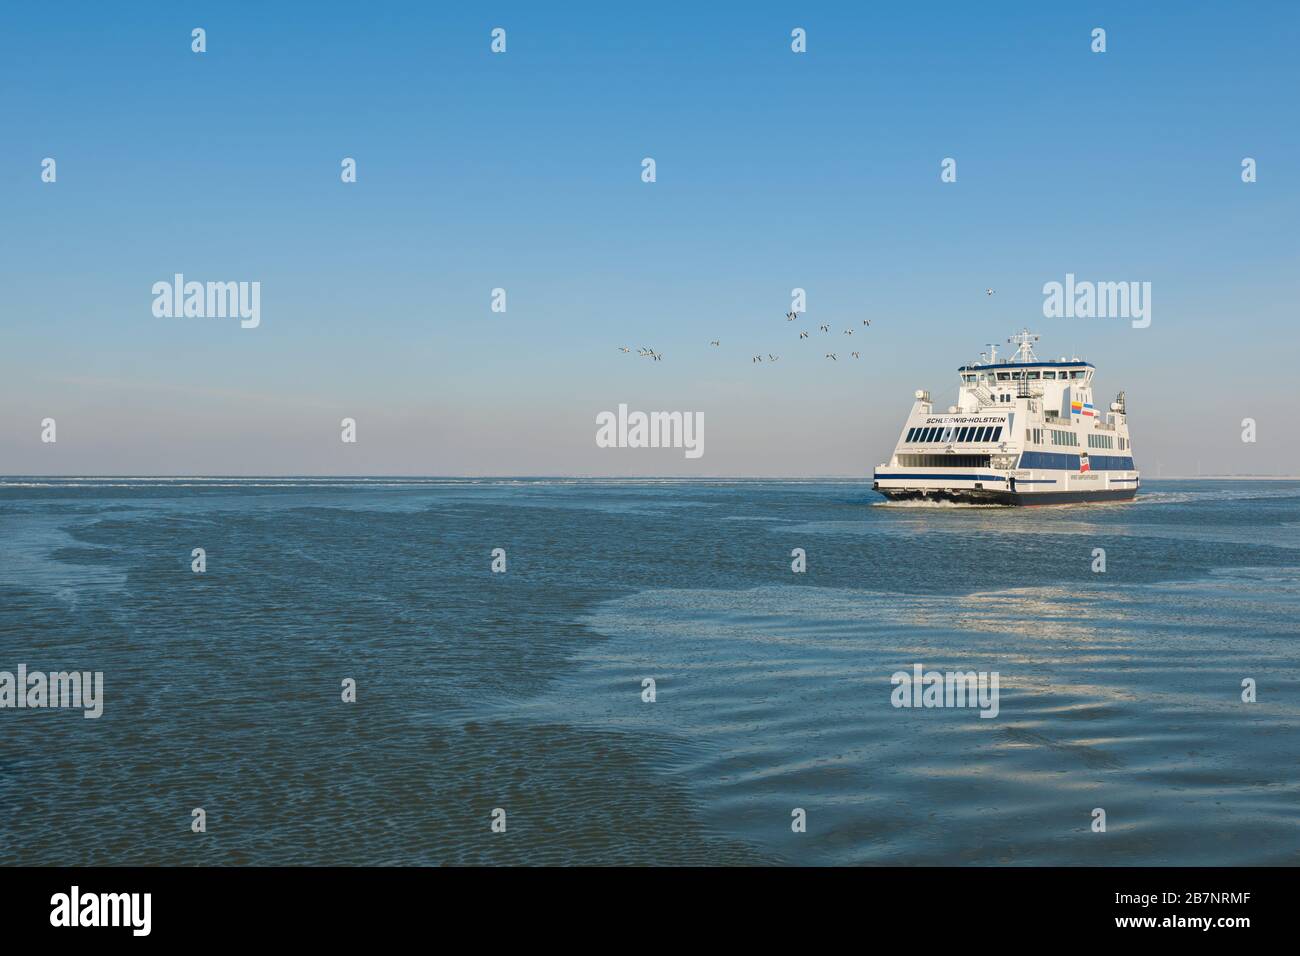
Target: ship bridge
1062	385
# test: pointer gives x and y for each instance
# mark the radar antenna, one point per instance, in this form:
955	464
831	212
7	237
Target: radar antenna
1024	341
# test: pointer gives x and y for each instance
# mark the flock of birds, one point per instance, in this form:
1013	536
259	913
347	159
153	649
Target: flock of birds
644	353
790	316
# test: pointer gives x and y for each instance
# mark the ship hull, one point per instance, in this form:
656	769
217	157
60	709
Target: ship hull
992	497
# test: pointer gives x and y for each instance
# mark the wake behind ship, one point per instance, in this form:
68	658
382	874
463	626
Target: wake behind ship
1023	432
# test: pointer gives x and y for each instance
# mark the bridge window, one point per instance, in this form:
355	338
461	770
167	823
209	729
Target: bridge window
1049	375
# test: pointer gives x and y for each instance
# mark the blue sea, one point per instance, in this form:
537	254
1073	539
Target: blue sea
522	691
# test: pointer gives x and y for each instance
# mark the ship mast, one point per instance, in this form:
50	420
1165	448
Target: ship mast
1023	340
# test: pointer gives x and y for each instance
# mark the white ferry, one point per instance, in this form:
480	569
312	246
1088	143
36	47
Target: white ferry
1023	432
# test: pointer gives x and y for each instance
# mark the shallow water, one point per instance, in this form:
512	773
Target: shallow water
1119	690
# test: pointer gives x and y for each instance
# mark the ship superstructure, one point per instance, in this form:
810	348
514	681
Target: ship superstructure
1023	431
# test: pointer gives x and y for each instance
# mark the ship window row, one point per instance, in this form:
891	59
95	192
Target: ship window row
1064	438
1102	441
949	433
943	461
1123	444
1037	374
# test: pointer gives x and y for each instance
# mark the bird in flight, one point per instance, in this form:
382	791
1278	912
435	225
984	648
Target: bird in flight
831	356
989	291
774	358
825	328
866	321
791	316
803	333
623	348
756	358
848	331
715	342
856	355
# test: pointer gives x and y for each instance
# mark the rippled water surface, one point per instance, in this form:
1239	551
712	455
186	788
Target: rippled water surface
1118	690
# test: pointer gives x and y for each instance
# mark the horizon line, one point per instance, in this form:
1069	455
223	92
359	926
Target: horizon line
573	477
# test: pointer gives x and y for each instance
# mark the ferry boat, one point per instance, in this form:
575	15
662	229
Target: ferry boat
1023	432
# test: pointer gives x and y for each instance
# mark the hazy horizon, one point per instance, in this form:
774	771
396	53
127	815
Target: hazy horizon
468	476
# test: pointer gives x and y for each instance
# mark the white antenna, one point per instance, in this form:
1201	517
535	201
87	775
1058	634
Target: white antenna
1023	340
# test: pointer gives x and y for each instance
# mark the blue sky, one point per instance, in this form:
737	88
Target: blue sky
522	171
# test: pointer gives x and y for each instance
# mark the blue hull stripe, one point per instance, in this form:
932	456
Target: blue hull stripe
1058	461
1019	481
